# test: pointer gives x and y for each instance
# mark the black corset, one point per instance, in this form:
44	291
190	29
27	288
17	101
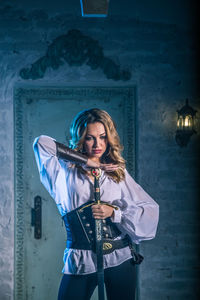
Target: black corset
80	226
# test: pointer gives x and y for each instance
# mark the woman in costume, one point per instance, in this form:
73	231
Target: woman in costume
129	214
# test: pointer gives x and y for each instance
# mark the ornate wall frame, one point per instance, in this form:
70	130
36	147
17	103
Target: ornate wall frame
23	94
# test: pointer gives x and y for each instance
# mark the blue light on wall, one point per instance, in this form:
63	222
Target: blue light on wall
94	8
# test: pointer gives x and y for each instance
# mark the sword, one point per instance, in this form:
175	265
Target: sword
98	236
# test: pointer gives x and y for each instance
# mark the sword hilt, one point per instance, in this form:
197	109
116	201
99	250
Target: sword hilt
96	173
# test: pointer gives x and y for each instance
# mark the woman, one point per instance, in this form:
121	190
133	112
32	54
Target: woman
127	211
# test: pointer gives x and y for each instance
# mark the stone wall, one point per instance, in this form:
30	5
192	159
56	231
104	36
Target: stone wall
162	58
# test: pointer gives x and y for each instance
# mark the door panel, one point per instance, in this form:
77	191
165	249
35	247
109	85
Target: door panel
49	111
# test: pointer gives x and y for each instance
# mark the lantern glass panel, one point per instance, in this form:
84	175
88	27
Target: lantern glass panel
180	122
188	122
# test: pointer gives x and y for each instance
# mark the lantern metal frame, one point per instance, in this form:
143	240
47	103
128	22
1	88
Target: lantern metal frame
185	124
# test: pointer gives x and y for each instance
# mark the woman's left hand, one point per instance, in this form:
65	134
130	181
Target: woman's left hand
109	167
102	211
93	164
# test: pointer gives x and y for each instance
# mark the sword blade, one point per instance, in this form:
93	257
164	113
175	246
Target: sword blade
99	239
99	252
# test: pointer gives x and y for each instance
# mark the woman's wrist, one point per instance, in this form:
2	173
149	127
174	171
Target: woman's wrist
93	164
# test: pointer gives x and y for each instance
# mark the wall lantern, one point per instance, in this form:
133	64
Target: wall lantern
185	124
94	8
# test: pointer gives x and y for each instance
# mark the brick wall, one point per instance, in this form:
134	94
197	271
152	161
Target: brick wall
162	59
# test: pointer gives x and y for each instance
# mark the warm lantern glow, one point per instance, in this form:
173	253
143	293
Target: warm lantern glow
186	121
185	124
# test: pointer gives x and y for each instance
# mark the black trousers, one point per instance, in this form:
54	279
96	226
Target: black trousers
120	282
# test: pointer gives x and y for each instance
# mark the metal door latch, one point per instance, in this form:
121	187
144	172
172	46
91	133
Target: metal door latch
36	217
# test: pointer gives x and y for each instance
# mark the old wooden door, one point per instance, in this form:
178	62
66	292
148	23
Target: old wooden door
49	111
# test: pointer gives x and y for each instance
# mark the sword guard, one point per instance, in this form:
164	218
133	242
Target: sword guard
108	204
113	206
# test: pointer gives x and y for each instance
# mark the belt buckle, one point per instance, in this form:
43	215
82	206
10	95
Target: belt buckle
107	246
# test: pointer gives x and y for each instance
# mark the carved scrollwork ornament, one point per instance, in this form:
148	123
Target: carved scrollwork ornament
76	49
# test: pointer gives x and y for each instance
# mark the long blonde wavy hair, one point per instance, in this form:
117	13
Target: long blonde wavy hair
112	154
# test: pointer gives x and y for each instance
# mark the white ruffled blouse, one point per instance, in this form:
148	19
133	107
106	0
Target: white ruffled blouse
137	215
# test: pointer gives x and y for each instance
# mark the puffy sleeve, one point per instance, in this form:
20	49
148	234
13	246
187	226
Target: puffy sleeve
47	162
139	212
